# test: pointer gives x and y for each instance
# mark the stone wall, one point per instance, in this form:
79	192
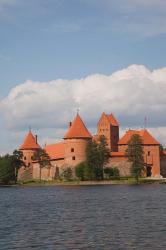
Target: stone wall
25	173
151	157
51	172
122	164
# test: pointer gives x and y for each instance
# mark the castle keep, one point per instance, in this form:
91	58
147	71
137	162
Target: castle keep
71	151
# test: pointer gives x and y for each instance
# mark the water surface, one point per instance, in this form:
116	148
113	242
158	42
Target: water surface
117	217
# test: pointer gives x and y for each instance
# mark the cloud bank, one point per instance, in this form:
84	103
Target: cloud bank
131	94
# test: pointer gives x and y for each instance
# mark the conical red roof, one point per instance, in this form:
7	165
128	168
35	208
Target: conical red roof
30	142
147	138
77	129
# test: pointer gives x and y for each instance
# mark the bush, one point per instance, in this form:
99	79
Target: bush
84	172
80	171
67	174
111	172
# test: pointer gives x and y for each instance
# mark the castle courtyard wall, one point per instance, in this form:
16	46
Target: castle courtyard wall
122	164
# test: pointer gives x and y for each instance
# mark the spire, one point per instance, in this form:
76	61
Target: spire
77	129
29	142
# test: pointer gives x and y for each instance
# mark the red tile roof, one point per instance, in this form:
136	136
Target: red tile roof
147	138
77	129
116	154
29	142
55	151
112	120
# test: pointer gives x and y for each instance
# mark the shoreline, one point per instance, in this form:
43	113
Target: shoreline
129	181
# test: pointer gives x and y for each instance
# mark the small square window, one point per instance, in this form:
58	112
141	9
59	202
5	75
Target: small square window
72	149
25	158
73	158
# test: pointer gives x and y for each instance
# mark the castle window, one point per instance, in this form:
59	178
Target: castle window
25	158
73	158
148	153
72	149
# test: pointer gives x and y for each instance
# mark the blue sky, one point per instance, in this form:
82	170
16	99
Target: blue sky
46	40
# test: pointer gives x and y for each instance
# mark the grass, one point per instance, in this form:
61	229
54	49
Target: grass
120	180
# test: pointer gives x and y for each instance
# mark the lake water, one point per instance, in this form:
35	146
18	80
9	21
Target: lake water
113	217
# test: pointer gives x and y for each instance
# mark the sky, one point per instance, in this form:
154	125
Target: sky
57	56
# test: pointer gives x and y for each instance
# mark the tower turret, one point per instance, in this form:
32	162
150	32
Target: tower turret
29	147
76	140
109	127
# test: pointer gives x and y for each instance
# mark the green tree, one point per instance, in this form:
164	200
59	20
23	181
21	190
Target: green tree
135	152
17	161
7	170
97	155
80	171
92	161
104	152
42	158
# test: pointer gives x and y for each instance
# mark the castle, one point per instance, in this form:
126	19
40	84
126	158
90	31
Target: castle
71	151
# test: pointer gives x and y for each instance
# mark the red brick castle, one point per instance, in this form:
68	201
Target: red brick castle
71	150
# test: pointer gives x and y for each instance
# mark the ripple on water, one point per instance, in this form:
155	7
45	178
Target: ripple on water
93	217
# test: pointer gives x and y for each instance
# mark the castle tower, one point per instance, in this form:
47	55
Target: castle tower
75	142
29	147
109	127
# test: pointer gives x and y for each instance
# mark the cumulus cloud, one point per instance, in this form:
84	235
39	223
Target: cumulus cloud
131	94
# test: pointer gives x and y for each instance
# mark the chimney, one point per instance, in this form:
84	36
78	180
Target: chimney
70	123
36	138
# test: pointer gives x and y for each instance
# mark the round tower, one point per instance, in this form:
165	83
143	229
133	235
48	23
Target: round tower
29	147
76	140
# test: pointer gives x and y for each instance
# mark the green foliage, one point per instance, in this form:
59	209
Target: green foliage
97	155
67	174
42	158
9	165
134	152
112	172
7	171
80	171
17	161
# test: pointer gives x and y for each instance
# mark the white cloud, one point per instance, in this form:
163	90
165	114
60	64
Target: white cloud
131	94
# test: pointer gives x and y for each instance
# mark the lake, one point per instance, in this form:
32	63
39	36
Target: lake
113	217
